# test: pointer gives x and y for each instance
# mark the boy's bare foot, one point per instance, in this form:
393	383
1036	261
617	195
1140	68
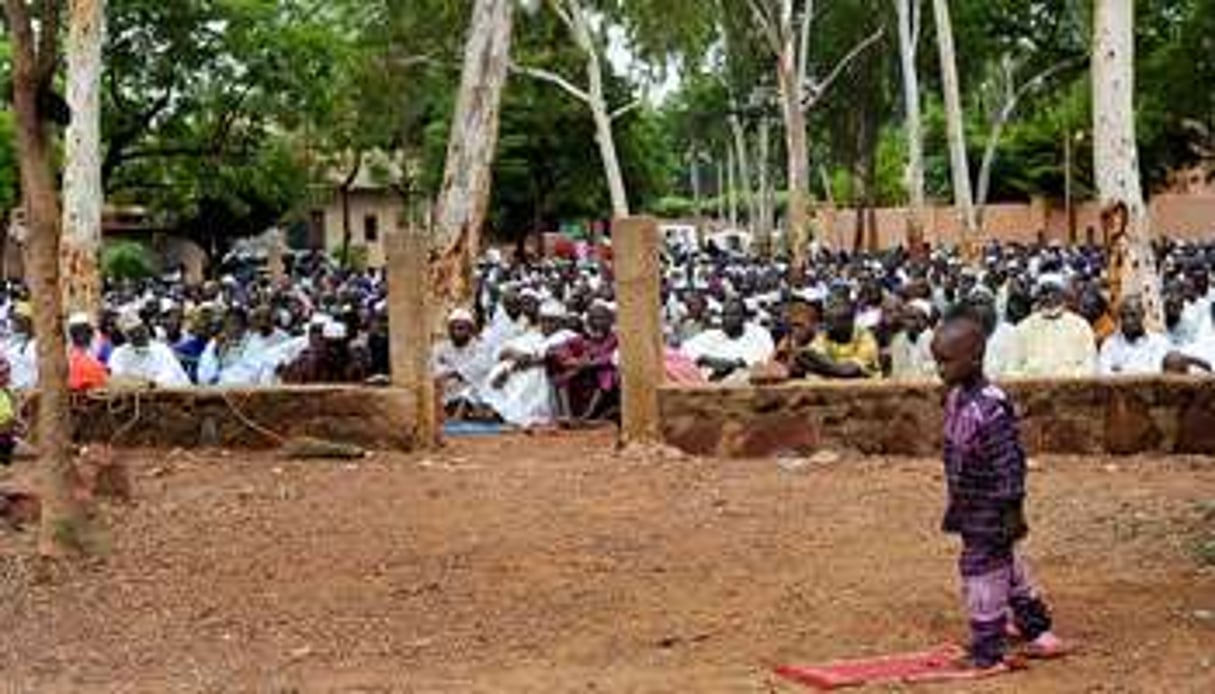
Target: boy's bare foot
1045	647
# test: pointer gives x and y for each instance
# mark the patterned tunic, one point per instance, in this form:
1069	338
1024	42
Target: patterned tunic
985	470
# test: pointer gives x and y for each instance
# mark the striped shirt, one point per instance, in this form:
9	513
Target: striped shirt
984	468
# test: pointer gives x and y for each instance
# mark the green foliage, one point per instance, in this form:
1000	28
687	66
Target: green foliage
126	260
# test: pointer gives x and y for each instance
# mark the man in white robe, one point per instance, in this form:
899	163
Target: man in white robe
21	349
728	353
144	359
1133	350
519	387
461	365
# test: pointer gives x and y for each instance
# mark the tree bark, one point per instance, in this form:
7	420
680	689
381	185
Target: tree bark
765	223
908	12
959	166
1116	157
731	187
464	195
798	212
82	191
743	182
64	525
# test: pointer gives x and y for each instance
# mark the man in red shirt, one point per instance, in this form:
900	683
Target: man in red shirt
85	372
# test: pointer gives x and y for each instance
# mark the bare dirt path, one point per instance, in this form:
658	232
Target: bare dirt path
551	565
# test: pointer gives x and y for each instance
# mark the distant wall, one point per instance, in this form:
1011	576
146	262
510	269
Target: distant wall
374	418
1088	417
1190	217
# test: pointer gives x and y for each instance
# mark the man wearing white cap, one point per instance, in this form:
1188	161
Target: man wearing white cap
911	347
143	359
460	364
520	390
21	349
1054	342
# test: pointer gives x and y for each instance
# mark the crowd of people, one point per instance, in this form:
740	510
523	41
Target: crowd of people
538	344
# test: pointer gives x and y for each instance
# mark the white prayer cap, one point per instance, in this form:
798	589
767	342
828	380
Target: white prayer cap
320	320
1051	280
552	309
129	320
923	306
167	305
604	304
79	319
334	330
461	315
529	293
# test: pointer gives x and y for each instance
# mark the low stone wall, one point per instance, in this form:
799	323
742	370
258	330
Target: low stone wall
373	418
1122	416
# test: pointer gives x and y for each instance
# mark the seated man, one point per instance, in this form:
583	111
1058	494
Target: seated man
584	370
911	346
1133	350
1054	342
85	372
461	365
142	359
519	387
232	358
843	350
726	353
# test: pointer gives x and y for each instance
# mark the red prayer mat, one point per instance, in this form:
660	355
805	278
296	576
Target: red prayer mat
938	665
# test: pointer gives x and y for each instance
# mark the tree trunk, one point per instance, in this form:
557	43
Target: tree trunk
64	525
764	223
743	182
1116	156
82	192
908	23
959	166
347	224
694	176
798	213
467	175
731	186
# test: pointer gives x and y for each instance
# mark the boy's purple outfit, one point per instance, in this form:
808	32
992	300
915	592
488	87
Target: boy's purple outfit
985	469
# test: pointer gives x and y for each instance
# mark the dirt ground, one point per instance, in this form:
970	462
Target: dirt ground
552	565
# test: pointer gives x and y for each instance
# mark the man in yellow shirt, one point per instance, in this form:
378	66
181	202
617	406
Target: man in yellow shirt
842	351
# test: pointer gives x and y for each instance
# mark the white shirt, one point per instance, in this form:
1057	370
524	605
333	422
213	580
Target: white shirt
1003	349
1056	346
155	362
1120	356
753	347
22	355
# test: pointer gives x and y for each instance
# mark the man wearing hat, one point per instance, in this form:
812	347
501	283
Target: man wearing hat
1054	342
21	349
461	365
520	390
144	359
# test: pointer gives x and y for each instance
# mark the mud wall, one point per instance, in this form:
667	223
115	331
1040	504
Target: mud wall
1087	417
370	417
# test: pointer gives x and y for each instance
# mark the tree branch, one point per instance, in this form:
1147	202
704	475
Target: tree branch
631	106
767	25
552	78
818	89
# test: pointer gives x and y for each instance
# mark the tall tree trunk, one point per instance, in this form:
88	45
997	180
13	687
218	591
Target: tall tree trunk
743	183
603	131
64	523
347	222
1116	156
467	175
798	212
764	223
958	164
694	176
909	22
731	187
82	192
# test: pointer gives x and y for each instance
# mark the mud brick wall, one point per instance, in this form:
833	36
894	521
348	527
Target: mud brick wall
370	417
1087	417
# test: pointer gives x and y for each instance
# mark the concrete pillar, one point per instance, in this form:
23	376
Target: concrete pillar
635	249
408	258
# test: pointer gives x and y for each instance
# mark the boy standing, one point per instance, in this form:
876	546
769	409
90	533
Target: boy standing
985	470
